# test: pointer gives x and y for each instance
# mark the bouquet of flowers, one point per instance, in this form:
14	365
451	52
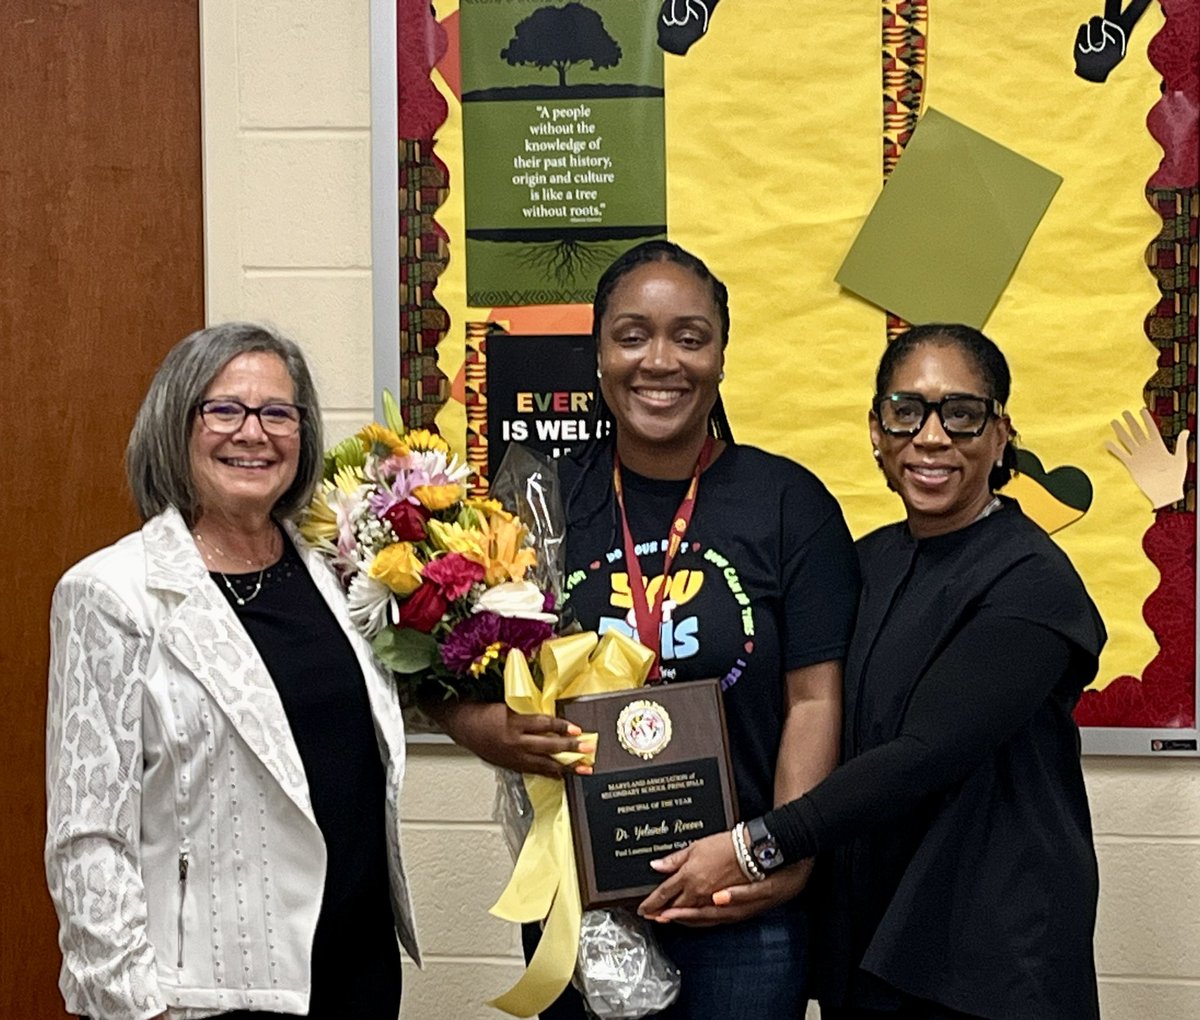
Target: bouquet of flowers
439	583
444	587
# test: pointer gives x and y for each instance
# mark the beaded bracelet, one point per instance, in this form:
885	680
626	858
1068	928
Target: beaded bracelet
748	865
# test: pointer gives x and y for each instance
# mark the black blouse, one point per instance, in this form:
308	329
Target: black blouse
961	867
325	699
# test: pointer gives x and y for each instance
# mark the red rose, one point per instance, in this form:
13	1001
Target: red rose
407	521
453	574
422	609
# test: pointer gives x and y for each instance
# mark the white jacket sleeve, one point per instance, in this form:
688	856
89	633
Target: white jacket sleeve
98	664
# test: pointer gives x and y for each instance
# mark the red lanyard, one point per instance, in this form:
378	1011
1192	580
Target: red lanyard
649	618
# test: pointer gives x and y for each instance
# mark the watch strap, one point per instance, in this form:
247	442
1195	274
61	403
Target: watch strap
764	848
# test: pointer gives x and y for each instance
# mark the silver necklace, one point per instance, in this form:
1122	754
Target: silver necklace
240	600
249	598
209	543
993	505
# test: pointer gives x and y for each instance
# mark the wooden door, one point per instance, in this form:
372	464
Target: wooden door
100	272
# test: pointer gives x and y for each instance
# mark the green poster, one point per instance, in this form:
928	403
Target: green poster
563	142
962	208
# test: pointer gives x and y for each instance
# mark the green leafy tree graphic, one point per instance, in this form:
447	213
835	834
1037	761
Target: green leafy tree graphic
561	36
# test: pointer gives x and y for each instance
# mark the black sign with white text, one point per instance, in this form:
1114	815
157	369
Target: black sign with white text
539	393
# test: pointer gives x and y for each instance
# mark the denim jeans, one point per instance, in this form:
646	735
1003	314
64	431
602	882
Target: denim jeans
746	971
913	1009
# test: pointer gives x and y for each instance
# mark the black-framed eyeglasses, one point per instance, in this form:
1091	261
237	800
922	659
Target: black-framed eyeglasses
227	416
963	415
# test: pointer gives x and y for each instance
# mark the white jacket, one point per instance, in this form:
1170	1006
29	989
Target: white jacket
182	853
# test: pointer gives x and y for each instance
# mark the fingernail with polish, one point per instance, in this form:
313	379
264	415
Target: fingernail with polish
585	748
573	730
583	770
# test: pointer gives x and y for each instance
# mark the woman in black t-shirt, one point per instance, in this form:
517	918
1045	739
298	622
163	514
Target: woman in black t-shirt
760	593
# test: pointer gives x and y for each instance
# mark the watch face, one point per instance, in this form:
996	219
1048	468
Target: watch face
766	854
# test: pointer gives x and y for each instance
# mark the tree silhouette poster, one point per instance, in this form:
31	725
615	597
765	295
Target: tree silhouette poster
564	153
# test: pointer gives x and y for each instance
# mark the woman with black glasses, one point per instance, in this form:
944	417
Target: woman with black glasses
223	754
955	836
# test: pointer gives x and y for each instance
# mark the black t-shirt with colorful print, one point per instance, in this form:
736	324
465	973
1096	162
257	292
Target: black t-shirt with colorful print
766	581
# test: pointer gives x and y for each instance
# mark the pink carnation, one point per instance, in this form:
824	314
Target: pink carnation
454	574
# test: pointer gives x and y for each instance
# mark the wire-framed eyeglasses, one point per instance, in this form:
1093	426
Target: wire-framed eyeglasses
228	416
963	415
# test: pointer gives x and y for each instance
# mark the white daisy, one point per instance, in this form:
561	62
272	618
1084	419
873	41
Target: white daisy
369	603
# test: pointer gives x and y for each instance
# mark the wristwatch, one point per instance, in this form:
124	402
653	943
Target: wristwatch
764	848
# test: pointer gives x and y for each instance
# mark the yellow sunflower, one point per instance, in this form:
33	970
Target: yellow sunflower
423	439
376	434
438	497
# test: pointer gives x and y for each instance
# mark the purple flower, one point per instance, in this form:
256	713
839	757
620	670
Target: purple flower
382	500
469	639
400	490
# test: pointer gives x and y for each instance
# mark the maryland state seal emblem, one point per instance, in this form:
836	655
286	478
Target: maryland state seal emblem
644	728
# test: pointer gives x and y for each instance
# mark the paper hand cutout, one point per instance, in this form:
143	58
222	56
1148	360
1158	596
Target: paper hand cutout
1101	41
1156	471
682	23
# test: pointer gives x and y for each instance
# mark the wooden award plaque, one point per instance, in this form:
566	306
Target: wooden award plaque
662	779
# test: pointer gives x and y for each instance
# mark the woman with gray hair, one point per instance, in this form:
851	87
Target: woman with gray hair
223	754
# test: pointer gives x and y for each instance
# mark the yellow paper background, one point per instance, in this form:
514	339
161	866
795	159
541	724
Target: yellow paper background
774	152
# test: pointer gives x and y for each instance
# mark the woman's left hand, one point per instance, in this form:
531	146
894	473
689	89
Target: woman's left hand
706	887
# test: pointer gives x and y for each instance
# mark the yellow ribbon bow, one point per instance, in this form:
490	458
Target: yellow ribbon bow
544	882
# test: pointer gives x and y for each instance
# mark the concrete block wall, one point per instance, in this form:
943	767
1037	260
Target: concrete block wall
286	113
287	118
1146	817
459	863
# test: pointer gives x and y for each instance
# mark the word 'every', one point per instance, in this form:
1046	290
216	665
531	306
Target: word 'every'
557	401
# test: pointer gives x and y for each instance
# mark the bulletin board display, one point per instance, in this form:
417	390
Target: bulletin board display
760	136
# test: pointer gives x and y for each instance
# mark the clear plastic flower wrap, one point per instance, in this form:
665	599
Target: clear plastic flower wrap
527	484
620	971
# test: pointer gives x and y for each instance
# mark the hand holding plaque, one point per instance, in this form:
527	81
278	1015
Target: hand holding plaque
661	779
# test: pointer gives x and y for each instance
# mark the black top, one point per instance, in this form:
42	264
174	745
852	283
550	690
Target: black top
962	869
325	699
766	581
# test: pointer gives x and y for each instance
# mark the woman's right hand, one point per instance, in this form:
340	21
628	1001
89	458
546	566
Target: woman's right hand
523	743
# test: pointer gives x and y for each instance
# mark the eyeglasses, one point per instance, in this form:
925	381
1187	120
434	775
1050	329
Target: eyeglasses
962	415
227	416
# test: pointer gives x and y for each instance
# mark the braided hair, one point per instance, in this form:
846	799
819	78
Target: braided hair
597	451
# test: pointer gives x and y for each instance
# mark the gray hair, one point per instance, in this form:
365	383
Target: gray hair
158	458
